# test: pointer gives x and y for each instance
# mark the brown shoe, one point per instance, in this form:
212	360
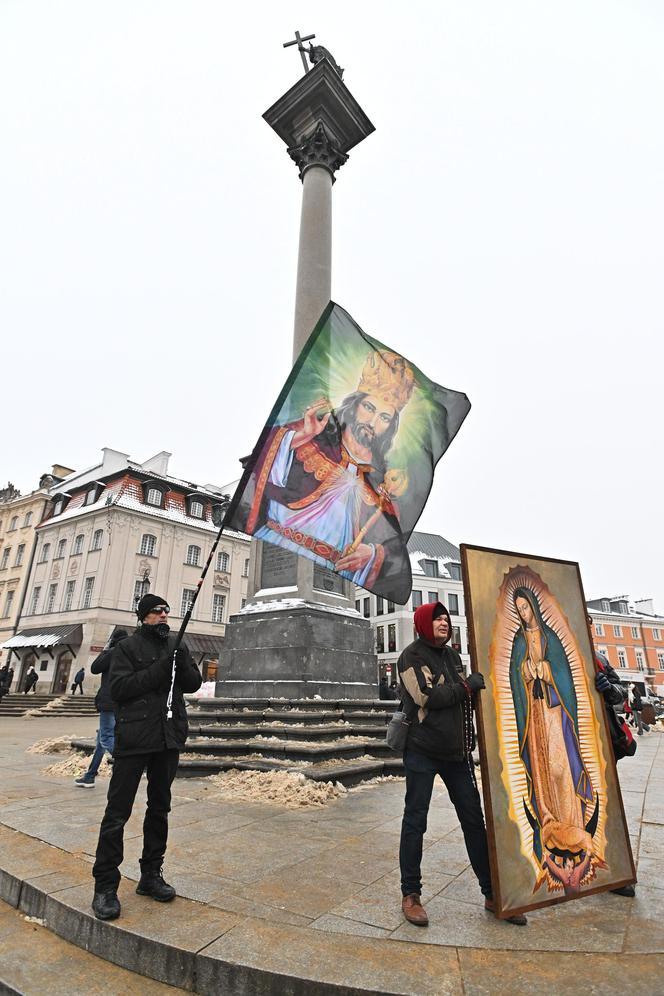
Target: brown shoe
519	920
413	910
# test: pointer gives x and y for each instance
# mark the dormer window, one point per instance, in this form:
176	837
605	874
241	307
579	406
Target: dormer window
59	504
195	507
606	605
430	568
454	571
153	494
92	494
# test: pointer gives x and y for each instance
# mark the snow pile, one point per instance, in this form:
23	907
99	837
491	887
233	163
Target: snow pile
54	745
282	788
75	765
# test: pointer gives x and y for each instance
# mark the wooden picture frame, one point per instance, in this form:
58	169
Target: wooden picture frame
555	818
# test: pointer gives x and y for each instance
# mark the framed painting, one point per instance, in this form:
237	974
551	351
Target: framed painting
555	818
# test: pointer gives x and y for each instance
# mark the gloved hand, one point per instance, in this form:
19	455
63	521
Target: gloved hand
602	683
475	681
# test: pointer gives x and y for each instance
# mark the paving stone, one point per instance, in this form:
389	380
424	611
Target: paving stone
331	961
646	925
310	894
342	925
500	973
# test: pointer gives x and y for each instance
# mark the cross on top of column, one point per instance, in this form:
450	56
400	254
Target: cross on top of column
298	40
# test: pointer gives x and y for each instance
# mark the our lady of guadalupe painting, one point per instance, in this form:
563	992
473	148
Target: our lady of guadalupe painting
344	465
554	811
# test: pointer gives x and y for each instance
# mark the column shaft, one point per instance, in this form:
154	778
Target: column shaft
314	262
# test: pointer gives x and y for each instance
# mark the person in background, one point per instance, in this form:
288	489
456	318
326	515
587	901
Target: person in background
78	681
31	680
104	705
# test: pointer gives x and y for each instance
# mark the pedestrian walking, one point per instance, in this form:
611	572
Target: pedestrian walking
151	730
636	705
438	700
31	680
106	709
79	677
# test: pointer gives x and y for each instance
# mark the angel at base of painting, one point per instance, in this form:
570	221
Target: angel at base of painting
562	808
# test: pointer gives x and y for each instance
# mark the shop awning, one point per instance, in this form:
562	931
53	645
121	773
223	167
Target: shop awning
203	645
46	637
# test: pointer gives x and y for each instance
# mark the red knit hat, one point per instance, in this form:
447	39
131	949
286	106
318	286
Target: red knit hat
424	617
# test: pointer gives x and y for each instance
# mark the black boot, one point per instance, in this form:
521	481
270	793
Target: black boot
106	905
152	884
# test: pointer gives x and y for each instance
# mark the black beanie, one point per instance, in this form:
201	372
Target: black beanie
147	604
440	610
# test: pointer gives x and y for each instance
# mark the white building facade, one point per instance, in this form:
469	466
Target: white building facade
113	533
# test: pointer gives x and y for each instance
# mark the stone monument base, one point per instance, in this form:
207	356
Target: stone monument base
297	649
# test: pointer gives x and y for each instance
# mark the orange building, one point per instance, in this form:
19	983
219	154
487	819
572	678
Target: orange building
631	635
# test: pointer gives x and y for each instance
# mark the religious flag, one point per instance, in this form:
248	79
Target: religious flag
344	466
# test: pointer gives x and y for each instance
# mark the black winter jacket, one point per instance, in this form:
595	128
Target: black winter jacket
102	665
431	680
140	680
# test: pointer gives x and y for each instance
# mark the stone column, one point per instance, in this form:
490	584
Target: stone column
314	261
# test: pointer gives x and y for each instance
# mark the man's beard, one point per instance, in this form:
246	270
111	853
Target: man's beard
363	434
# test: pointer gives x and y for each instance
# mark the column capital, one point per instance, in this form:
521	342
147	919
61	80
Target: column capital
319	149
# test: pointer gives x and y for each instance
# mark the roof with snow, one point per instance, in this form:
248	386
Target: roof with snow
433	546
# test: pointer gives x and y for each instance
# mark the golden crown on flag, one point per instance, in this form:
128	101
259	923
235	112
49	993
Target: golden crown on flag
387	376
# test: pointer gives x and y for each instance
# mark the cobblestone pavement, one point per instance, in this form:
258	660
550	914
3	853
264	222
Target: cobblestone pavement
313	890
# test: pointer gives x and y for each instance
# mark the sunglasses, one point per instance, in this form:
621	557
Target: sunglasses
159	609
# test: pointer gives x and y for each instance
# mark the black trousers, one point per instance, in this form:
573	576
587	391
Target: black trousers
127	771
420	774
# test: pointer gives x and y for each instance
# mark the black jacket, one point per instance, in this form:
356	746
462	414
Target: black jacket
139	684
102	665
79	677
430	680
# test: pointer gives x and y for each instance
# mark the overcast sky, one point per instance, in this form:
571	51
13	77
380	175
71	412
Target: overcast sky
502	228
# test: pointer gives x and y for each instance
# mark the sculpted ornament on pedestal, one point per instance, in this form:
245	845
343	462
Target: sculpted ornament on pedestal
319	149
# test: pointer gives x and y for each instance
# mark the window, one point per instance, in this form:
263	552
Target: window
635	632
456	638
243	603
20	551
454	571
357	605
639	660
223	561
9	598
432	596
141	588
28	519
45	550
218	607
453	604
655	634
58	506
69	596
622	658
392	638
245	569
187	600
606	605
36	592
43	665
430	568
390	606
13	523
417	599
660	658
380	605
599	629
5	557
617	630
88	587
154	497
193	556
196	509
380	639
91	496
62	546
97	537
50	598
148	545
78	544
366	607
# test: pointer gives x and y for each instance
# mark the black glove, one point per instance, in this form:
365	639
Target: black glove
475	681
602	683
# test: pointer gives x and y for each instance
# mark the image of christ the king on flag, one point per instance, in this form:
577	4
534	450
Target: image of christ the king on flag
345	463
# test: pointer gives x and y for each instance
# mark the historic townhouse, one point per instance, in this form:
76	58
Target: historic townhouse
631	634
436	567
110	534
19	517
